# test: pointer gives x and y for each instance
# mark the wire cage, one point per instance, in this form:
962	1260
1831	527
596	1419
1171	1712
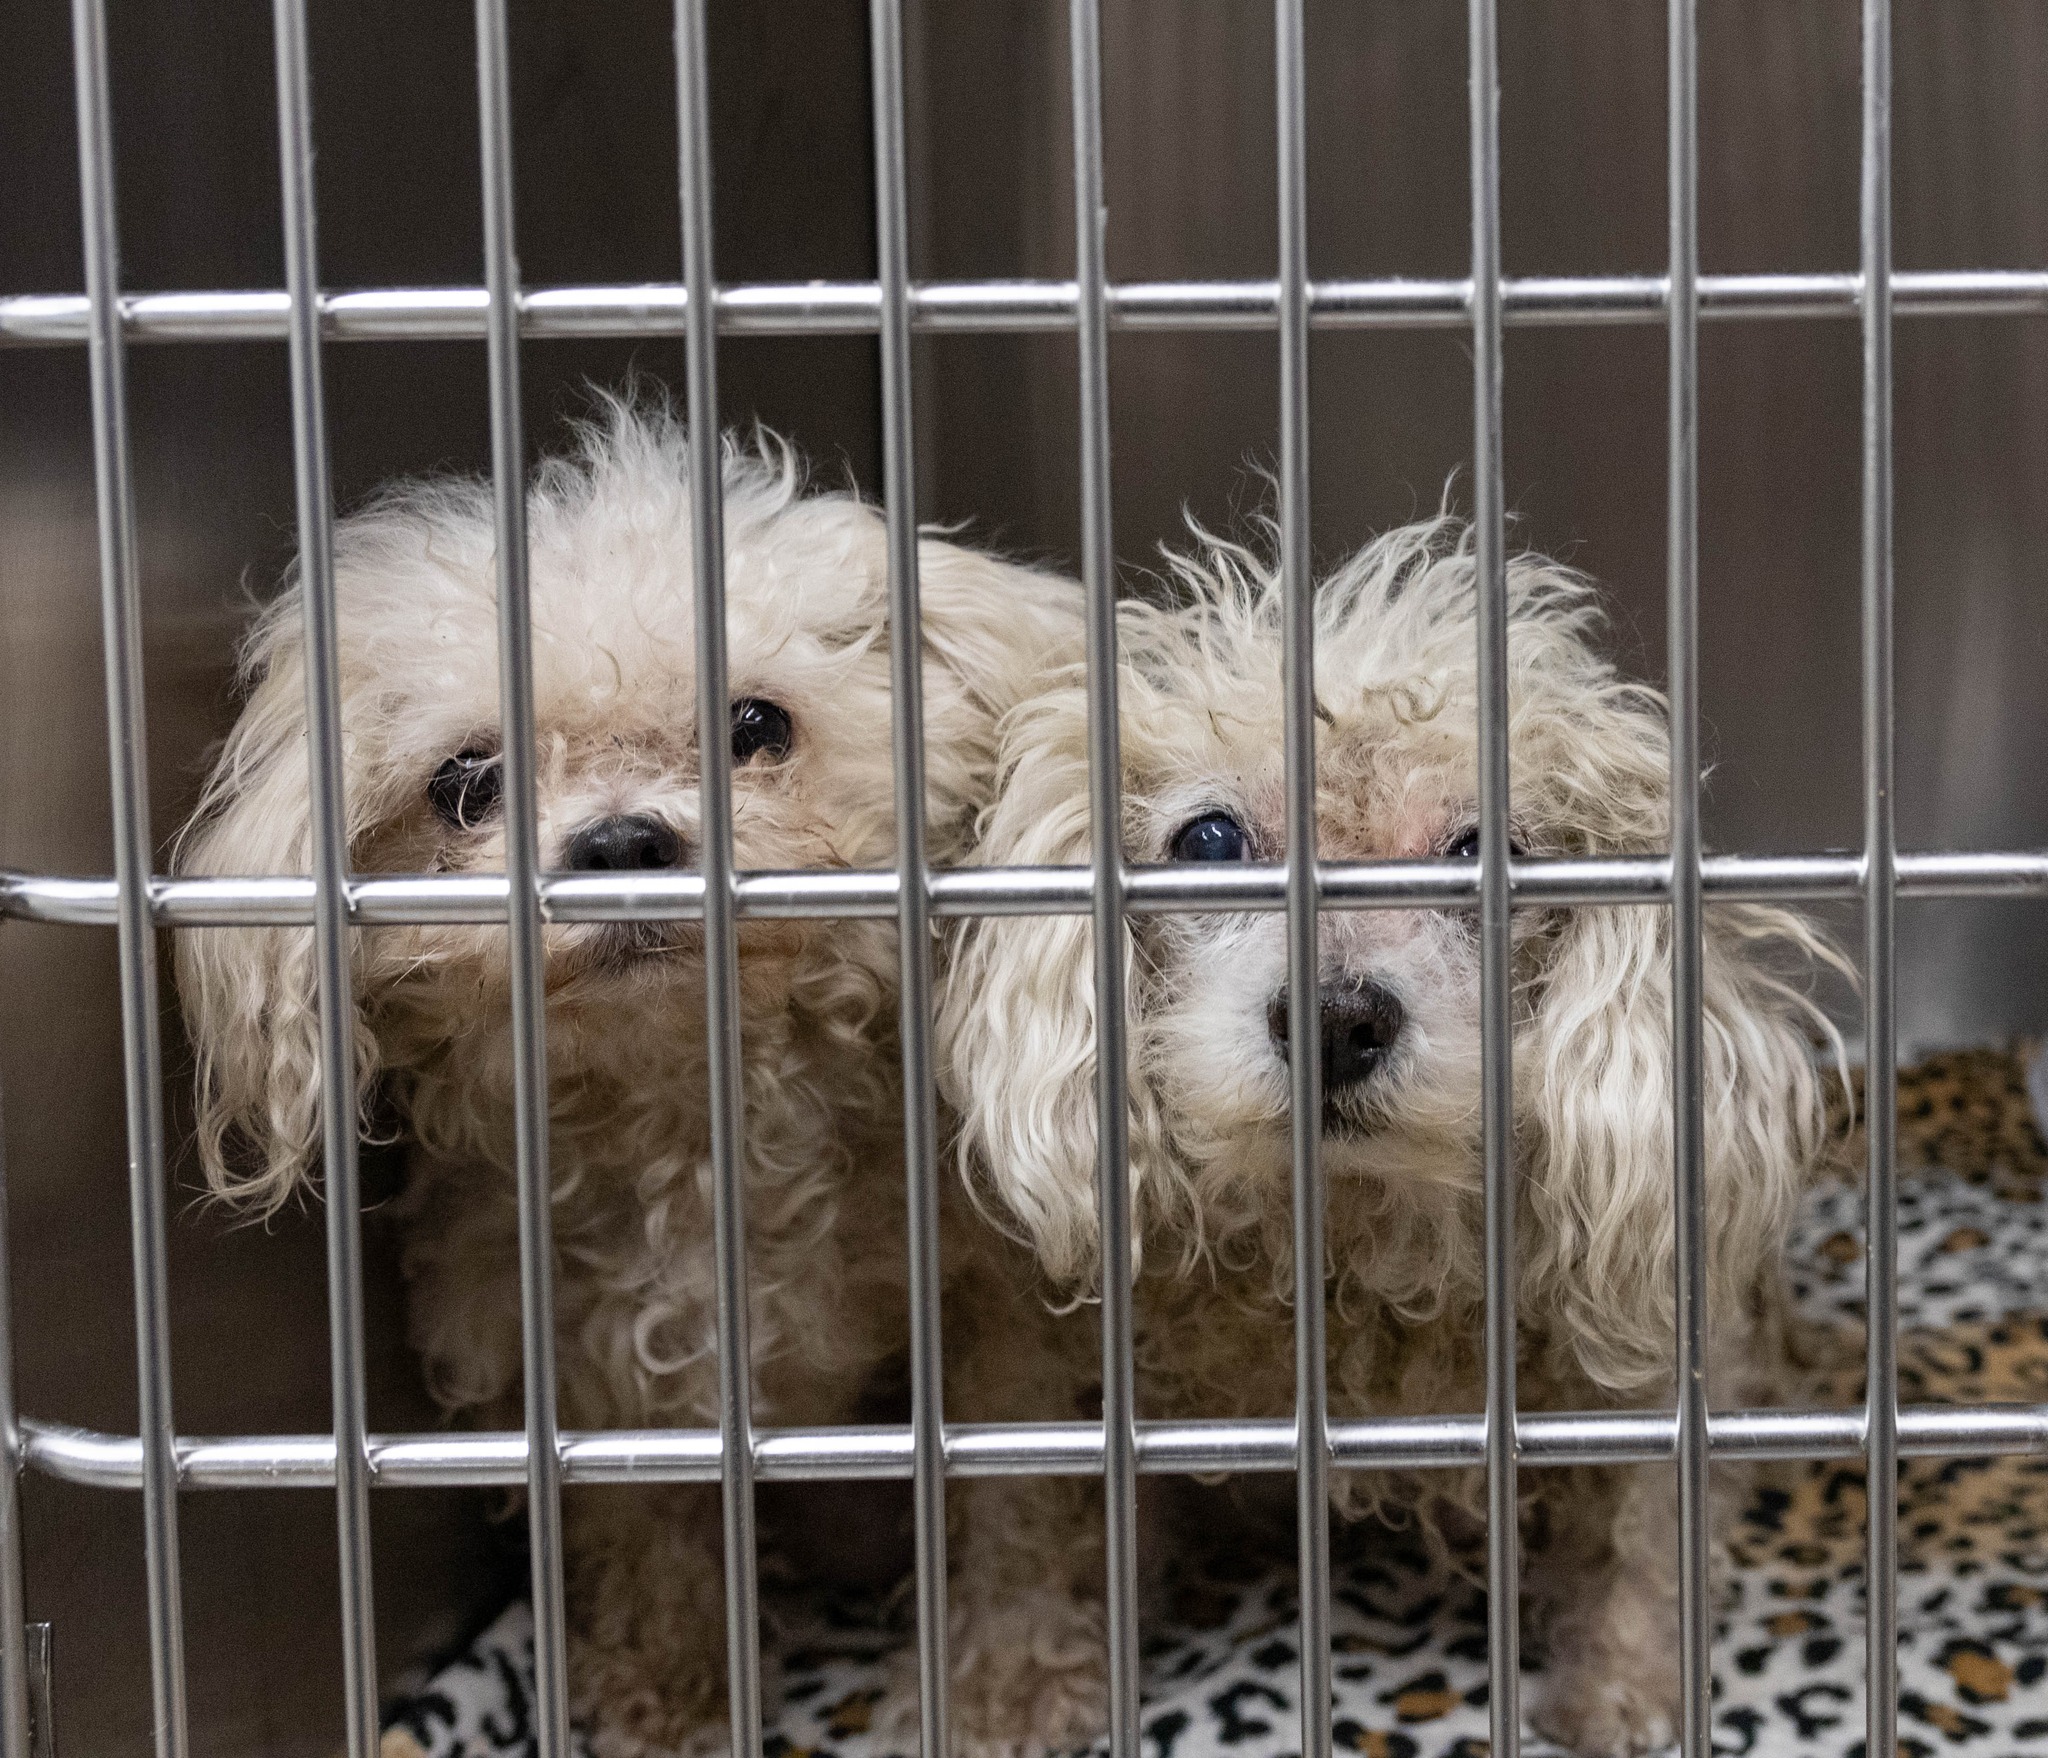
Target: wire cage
1283	310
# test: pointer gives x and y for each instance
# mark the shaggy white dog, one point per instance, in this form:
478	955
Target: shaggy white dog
1397	756
614	667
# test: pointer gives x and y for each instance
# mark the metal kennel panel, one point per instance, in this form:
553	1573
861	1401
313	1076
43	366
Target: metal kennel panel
1688	1003
136	901
1107	885
128	753
523	923
921	1160
1880	899
339	1147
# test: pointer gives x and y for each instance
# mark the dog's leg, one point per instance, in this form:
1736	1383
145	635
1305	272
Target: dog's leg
1026	1627
1029	1625
1026	1630
646	1602
1609	1605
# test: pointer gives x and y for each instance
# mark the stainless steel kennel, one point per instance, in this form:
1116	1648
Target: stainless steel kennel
1284	308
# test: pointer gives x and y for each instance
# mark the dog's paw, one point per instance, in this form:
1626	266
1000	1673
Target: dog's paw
609	1737
1606	1714
629	1706
1027	1681
1023	1705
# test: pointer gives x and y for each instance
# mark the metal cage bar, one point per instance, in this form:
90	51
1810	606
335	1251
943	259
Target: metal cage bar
329	861
1688	991
715	864
1304	1001
279	901
1880	1024
913	922
1076	1449
1496	1018
15	1739
128	761
543	1476
833	308
1106	876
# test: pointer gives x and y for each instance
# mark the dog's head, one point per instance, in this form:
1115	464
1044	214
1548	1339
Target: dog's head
617	767
1397	754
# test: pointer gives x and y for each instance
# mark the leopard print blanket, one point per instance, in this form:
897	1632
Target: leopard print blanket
1410	1643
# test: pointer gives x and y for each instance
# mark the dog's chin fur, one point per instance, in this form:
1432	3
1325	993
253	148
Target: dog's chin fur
623	958
1404	1278
613	644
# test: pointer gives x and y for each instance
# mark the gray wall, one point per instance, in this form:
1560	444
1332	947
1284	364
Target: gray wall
1191	175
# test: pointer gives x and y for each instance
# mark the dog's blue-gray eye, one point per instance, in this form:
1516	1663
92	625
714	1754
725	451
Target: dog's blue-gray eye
759	726
1215	836
465	790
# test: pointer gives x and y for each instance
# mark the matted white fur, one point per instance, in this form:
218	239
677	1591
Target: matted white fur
616	713
1396	693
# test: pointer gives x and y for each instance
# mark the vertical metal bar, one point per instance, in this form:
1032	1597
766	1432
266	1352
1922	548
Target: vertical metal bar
128	759
1105	806
1503	1548
522	874
15	1727
1689	1176
1880	1053
42	1692
721	945
330	878
1304	1008
913	919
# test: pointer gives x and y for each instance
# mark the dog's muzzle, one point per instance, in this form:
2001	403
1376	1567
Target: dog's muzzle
626	843
1361	1022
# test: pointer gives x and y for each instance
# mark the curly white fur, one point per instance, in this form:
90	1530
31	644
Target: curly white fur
614	687
1396	689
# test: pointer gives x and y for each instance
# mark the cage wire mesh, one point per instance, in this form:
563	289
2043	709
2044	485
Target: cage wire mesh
136	901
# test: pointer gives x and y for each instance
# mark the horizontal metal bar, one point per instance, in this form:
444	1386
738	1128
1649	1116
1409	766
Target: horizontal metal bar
1011	891
852	308
1069	1449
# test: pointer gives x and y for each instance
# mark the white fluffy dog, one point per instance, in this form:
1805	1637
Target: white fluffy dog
614	666
1397	753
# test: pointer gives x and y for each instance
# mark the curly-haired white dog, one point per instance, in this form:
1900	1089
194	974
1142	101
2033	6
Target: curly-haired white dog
1397	755
614	669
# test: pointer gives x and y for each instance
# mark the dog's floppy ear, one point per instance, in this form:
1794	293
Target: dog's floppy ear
994	633
1017	1014
1001	628
250	995
1595	1070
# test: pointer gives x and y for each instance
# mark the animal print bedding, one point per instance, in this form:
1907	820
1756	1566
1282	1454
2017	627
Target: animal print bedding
1410	1642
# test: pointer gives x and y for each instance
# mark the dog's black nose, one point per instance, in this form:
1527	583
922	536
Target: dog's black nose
1360	1023
624	845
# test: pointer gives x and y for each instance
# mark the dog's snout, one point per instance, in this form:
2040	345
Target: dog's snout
1360	1023
624	845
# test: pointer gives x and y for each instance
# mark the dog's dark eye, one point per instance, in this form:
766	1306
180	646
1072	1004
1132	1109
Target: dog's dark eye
1465	846
465	789
759	725
1215	836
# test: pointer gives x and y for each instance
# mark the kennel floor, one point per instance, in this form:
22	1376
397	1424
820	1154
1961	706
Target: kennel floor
1410	1642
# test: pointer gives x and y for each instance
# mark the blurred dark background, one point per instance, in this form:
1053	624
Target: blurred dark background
1190	125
